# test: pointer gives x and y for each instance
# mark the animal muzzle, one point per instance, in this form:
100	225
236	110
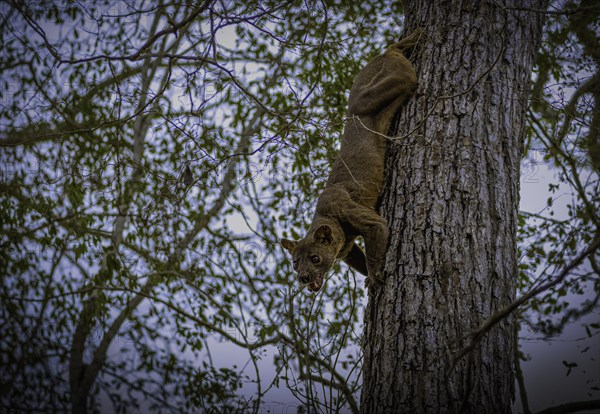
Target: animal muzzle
315	285
312	285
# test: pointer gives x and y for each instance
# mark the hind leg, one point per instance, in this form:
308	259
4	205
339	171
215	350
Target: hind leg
394	82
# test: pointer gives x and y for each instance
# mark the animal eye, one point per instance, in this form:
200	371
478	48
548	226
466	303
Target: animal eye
295	264
314	259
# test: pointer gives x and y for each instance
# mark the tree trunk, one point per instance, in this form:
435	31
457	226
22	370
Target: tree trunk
450	199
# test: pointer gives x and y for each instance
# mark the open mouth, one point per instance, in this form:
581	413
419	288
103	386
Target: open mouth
315	285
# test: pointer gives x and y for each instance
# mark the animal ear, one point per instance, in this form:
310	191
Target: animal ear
323	234
289	245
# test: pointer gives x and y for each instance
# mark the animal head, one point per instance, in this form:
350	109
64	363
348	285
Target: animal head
312	256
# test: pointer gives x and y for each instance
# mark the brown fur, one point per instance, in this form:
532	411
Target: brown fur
346	207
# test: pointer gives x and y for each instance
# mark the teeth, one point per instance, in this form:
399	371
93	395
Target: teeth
316	285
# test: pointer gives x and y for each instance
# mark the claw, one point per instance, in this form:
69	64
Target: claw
409	41
374	280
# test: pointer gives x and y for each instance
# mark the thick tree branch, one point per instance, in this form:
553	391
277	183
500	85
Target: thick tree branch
81	375
84	376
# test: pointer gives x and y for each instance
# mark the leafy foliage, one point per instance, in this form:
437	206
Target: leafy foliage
152	157
562	129
564	133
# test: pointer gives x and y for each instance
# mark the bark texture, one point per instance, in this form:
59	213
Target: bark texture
450	199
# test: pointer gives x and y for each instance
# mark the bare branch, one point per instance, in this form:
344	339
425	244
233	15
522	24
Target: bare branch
589	86
503	313
251	127
82	376
341	382
347	393
131	57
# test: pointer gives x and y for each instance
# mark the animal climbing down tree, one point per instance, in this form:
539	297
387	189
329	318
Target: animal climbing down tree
346	209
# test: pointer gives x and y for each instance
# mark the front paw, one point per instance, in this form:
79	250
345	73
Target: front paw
374	279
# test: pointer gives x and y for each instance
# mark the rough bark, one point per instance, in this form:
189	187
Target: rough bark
450	199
